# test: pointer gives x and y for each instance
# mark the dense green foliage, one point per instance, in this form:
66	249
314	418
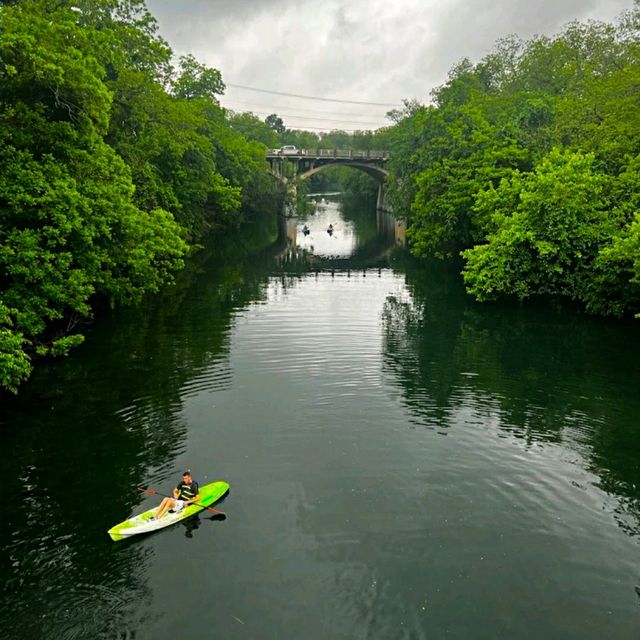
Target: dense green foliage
528	163
274	133
345	179
112	164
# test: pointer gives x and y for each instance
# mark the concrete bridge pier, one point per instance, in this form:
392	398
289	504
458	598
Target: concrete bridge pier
382	203
287	220
291	200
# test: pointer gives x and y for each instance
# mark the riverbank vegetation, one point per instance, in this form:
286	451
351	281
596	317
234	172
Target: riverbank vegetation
528	164
114	163
116	160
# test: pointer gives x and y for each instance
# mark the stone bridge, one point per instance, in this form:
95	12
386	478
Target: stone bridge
293	165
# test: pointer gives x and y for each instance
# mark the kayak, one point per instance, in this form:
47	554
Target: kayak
145	522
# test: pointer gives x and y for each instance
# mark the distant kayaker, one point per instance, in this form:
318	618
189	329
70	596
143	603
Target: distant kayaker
185	493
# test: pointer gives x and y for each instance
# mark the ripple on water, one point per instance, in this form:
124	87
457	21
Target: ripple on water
216	377
67	608
295	334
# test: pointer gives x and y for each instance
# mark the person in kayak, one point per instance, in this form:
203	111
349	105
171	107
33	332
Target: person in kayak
184	494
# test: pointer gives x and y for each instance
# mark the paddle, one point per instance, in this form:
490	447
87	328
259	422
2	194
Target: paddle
153	492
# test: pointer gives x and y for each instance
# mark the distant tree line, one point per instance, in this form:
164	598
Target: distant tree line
274	133
528	164
113	164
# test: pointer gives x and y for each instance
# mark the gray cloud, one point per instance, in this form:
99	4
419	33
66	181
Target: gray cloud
369	50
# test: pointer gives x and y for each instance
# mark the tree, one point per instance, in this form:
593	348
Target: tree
196	80
70	230
466	153
104	174
548	225
481	167
252	128
301	139
336	139
274	121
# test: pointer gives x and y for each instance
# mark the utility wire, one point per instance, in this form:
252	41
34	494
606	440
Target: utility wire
276	109
314	119
296	95
327	129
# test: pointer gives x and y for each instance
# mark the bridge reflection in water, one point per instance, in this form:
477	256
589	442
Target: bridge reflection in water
328	240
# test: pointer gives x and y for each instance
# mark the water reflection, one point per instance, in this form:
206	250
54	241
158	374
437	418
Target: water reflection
539	373
338	233
192	524
89	429
399	450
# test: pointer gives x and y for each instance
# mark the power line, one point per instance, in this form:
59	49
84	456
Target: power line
327	129
277	108
314	119
296	95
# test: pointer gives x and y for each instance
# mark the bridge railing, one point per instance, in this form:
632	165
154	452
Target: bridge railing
371	154
348	153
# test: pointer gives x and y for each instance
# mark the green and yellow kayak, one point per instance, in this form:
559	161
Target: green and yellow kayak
145	522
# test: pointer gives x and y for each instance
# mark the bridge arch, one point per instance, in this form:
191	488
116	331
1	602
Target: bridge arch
309	162
374	171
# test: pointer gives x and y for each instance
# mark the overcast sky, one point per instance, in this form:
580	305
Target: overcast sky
365	50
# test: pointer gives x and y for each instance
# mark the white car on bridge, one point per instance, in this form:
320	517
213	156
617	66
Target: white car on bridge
291	150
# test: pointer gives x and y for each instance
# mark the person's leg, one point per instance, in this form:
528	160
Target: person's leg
165	505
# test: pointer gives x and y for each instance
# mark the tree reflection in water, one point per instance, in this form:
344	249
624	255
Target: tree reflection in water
544	373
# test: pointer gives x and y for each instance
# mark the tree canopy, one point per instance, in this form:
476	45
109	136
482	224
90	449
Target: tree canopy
112	164
527	164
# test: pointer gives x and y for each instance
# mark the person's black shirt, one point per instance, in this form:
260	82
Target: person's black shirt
187	491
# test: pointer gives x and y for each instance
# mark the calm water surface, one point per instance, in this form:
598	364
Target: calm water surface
404	463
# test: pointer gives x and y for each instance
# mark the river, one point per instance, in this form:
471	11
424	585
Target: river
404	463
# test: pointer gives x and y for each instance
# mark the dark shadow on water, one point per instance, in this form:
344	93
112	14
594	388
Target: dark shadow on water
87	429
194	522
